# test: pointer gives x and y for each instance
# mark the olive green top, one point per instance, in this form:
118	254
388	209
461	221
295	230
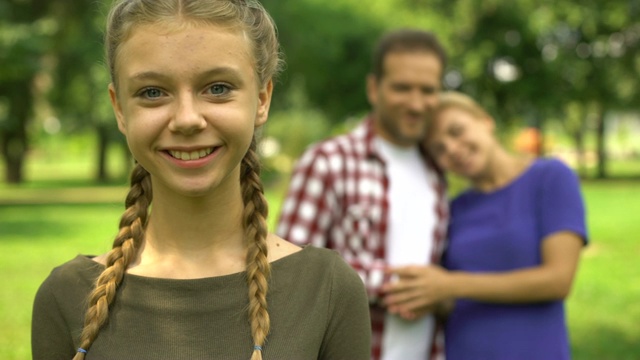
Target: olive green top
317	305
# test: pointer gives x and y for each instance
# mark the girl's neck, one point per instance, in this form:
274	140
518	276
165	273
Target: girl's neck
502	169
192	237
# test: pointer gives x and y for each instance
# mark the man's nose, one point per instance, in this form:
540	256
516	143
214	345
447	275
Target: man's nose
416	101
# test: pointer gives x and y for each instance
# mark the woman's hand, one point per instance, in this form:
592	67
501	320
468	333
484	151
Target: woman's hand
417	291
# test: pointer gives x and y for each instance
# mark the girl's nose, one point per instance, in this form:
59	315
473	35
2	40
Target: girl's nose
187	118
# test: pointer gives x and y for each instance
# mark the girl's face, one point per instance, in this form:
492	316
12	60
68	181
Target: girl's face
461	142
188	101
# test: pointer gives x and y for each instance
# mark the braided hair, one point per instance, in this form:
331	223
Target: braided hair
258	26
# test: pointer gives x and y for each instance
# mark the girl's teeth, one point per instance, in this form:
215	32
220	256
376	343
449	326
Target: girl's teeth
192	155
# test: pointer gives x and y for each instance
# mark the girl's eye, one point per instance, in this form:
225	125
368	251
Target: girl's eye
151	93
218	89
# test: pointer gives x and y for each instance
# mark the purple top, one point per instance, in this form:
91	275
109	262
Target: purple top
503	231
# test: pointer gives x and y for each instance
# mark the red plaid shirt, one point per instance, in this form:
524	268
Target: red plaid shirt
338	199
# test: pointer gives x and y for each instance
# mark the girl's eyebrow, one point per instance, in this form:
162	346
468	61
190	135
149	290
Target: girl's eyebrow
223	70
149	75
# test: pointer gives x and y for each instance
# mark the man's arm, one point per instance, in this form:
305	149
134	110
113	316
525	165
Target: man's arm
307	210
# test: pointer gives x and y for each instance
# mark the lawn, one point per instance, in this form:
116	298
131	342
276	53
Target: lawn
603	310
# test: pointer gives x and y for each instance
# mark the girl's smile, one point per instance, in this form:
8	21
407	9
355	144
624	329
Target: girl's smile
188	100
192	158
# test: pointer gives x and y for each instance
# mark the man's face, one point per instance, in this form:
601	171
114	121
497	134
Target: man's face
405	95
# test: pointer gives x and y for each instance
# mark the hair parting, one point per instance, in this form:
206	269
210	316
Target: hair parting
247	15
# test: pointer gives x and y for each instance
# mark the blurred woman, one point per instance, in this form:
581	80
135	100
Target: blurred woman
514	243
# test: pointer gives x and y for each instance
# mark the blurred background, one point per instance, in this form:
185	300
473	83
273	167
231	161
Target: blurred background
560	77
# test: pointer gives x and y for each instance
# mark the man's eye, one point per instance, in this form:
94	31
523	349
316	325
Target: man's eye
401	88
429	90
218	89
152	93
456	131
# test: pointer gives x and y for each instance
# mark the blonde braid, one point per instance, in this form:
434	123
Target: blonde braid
258	267
254	20
125	247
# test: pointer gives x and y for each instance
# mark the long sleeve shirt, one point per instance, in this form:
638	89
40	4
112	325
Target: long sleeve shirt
338	198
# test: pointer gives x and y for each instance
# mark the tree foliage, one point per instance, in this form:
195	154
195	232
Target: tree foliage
530	62
81	95
25	31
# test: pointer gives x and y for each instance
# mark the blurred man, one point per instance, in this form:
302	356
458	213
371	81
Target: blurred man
374	196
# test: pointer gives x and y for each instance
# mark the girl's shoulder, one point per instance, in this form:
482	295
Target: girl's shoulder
79	269
310	257
313	263
70	282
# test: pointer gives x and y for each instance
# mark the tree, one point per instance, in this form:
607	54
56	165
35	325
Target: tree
328	46
534	61
81	78
24	34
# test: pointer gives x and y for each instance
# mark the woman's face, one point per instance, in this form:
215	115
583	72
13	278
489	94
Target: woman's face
461	142
188	101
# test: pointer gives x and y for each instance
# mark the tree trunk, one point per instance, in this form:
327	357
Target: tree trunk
103	144
601	151
578	139
13	150
13	136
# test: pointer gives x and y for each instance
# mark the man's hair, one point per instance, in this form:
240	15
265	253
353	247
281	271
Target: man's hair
405	40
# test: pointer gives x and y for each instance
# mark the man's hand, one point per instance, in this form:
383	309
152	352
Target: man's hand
417	290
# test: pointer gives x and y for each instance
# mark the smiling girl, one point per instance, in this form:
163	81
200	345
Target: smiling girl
193	272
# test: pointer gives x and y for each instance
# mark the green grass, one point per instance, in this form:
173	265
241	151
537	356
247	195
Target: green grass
603	310
34	239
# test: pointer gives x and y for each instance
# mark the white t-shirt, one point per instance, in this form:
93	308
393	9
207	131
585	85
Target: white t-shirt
412	222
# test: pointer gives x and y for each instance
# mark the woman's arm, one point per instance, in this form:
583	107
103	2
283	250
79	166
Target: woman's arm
561	221
551	280
419	288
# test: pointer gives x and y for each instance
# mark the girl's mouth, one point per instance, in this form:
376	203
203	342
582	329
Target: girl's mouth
190	155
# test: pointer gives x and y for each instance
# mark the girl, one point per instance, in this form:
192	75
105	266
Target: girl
198	276
514	243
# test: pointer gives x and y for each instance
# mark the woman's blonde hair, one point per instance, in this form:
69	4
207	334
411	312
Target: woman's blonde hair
458	100
251	18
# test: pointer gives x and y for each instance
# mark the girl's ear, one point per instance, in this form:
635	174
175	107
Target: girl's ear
117	109
264	101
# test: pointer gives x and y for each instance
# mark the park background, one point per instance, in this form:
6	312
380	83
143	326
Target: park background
562	72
